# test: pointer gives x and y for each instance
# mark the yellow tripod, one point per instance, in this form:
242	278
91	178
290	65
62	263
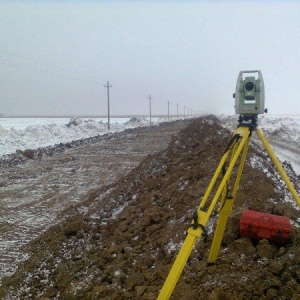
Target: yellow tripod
225	196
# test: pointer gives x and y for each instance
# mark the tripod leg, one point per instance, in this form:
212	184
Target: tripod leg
226	209
214	179
222	184
278	165
192	235
197	228
177	267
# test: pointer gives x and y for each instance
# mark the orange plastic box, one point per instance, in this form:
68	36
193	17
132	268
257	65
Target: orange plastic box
254	224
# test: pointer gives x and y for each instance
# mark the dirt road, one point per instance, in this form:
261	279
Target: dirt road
32	194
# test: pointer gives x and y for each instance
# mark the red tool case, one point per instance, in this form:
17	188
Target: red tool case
258	225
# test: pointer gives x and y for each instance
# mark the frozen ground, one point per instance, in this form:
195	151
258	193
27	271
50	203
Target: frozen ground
34	193
126	236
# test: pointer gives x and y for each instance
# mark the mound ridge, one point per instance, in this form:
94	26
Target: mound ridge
121	242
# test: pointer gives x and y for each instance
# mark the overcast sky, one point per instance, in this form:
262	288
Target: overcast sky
55	56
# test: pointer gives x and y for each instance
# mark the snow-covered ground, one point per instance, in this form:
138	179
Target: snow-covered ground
41	192
32	133
282	132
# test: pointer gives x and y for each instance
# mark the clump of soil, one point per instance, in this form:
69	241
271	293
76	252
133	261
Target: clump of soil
121	243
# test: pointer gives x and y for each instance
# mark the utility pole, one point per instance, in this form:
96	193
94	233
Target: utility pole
177	112
184	113
168	110
150	108
108	112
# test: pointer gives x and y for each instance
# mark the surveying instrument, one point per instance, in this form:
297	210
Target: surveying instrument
249	103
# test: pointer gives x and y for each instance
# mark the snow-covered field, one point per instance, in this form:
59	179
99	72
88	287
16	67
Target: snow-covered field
31	133
282	132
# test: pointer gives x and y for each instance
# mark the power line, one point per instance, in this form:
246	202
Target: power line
75	75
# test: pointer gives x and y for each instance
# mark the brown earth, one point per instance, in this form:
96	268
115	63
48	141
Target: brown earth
121	242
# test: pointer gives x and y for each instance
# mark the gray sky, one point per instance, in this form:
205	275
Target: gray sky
55	56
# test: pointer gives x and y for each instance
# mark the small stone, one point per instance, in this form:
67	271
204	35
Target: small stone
29	153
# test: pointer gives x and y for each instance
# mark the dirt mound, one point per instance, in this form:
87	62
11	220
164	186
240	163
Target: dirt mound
122	242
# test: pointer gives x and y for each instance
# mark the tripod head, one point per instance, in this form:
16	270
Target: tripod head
249	96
